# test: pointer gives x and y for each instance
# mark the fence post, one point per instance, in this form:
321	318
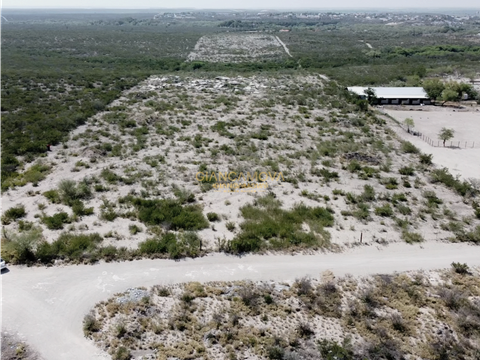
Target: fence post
459	144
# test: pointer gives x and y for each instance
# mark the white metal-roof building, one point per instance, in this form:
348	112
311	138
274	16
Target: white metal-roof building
395	95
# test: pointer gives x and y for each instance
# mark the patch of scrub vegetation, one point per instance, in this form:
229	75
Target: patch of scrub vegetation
169	213
268	226
376	317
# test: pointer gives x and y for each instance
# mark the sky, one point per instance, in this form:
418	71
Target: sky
240	4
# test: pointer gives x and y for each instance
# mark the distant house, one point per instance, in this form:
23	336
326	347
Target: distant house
395	95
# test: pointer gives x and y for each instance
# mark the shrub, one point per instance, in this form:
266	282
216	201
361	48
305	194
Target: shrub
90	325
460	268
13	214
110	176
122	353
305	330
461	187
69	191
53	196
134	229
452	298
230	225
432	199
170	214
79	208
20	248
426	159
187	245
407	171
211	216
368	193
56	221
331	350
266	224
76	247
303	286
385	210
275	353
409	148
412	237
327	175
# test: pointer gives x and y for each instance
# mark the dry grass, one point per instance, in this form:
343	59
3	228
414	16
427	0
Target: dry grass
399	315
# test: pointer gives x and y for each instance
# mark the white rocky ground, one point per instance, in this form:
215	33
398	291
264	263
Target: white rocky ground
165	128
238	47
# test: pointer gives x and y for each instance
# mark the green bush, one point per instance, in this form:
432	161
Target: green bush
407	171
409	148
53	196
171	214
267	225
20	248
69	191
187	244
426	159
13	214
56	221
79	209
385	210
412	237
461	187
211	216
76	247
134	229
460	268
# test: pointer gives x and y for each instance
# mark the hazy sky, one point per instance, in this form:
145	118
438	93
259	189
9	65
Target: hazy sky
241	4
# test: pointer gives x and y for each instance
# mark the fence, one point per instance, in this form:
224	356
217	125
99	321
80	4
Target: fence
439	143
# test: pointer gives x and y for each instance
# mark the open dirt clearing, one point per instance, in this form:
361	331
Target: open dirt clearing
460	161
238	47
46	306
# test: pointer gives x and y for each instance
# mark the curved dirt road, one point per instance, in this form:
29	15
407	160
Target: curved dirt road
46	306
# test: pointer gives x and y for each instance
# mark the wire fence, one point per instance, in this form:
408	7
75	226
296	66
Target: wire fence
455	144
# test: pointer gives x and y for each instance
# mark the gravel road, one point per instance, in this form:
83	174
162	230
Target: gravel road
46	306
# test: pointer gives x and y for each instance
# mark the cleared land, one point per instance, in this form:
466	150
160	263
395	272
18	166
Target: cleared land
240	47
466	124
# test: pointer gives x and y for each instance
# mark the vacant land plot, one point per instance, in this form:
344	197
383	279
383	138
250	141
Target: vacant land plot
237	48
460	160
431	120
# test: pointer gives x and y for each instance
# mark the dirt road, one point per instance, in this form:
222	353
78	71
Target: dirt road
46	305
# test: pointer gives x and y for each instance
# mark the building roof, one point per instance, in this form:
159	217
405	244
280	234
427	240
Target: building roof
392	92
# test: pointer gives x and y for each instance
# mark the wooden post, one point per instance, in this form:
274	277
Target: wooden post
361	237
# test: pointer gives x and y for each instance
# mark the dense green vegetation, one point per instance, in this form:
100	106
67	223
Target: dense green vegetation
267	226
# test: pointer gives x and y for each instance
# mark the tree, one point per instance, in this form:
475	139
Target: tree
434	88
446	134
409	123
449	95
371	96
